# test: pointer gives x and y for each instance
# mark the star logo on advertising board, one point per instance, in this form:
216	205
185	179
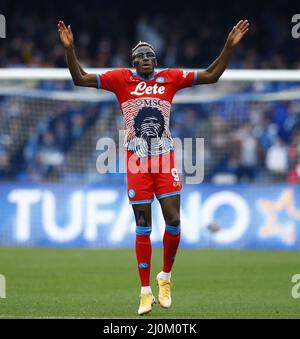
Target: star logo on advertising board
281	217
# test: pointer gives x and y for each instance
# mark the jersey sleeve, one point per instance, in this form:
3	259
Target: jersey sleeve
183	79
110	80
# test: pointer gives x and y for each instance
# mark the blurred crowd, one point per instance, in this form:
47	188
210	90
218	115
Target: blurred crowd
182	35
248	141
45	152
245	140
254	142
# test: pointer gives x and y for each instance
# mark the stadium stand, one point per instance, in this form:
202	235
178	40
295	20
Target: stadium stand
247	137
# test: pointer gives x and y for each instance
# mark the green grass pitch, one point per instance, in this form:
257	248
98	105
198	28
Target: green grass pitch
97	283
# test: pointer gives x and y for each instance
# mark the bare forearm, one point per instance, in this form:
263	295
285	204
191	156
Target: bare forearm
79	76
83	72
218	67
74	67
216	63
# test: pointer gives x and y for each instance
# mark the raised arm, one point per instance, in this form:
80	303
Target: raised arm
216	69
79	76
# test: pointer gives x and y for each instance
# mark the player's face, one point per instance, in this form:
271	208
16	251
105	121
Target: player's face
144	60
150	127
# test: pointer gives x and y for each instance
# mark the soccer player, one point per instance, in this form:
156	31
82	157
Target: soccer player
145	98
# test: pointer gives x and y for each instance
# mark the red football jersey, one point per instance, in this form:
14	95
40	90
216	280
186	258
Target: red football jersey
145	105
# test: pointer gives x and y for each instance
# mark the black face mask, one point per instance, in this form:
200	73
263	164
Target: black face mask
141	56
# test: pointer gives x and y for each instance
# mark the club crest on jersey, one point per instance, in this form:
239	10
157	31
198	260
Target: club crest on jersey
142	88
131	193
160	79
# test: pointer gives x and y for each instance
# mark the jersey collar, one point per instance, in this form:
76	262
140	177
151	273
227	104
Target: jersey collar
135	74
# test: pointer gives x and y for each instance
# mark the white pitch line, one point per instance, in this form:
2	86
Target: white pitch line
27	317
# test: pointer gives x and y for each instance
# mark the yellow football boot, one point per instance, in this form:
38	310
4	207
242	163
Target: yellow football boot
146	302
164	292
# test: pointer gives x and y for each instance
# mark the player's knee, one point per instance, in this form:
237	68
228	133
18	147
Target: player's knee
141	221
173	221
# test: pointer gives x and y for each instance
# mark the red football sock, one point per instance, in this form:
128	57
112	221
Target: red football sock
143	254
171	242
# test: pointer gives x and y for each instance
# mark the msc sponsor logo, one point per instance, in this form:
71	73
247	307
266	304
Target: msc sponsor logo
149	102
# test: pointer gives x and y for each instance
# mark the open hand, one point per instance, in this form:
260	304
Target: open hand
238	32
65	34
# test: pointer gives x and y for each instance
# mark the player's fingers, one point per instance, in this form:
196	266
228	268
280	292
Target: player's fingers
244	24
244	32
239	24
69	29
63	25
245	27
60	26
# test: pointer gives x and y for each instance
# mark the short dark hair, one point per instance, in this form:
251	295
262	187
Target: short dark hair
141	44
